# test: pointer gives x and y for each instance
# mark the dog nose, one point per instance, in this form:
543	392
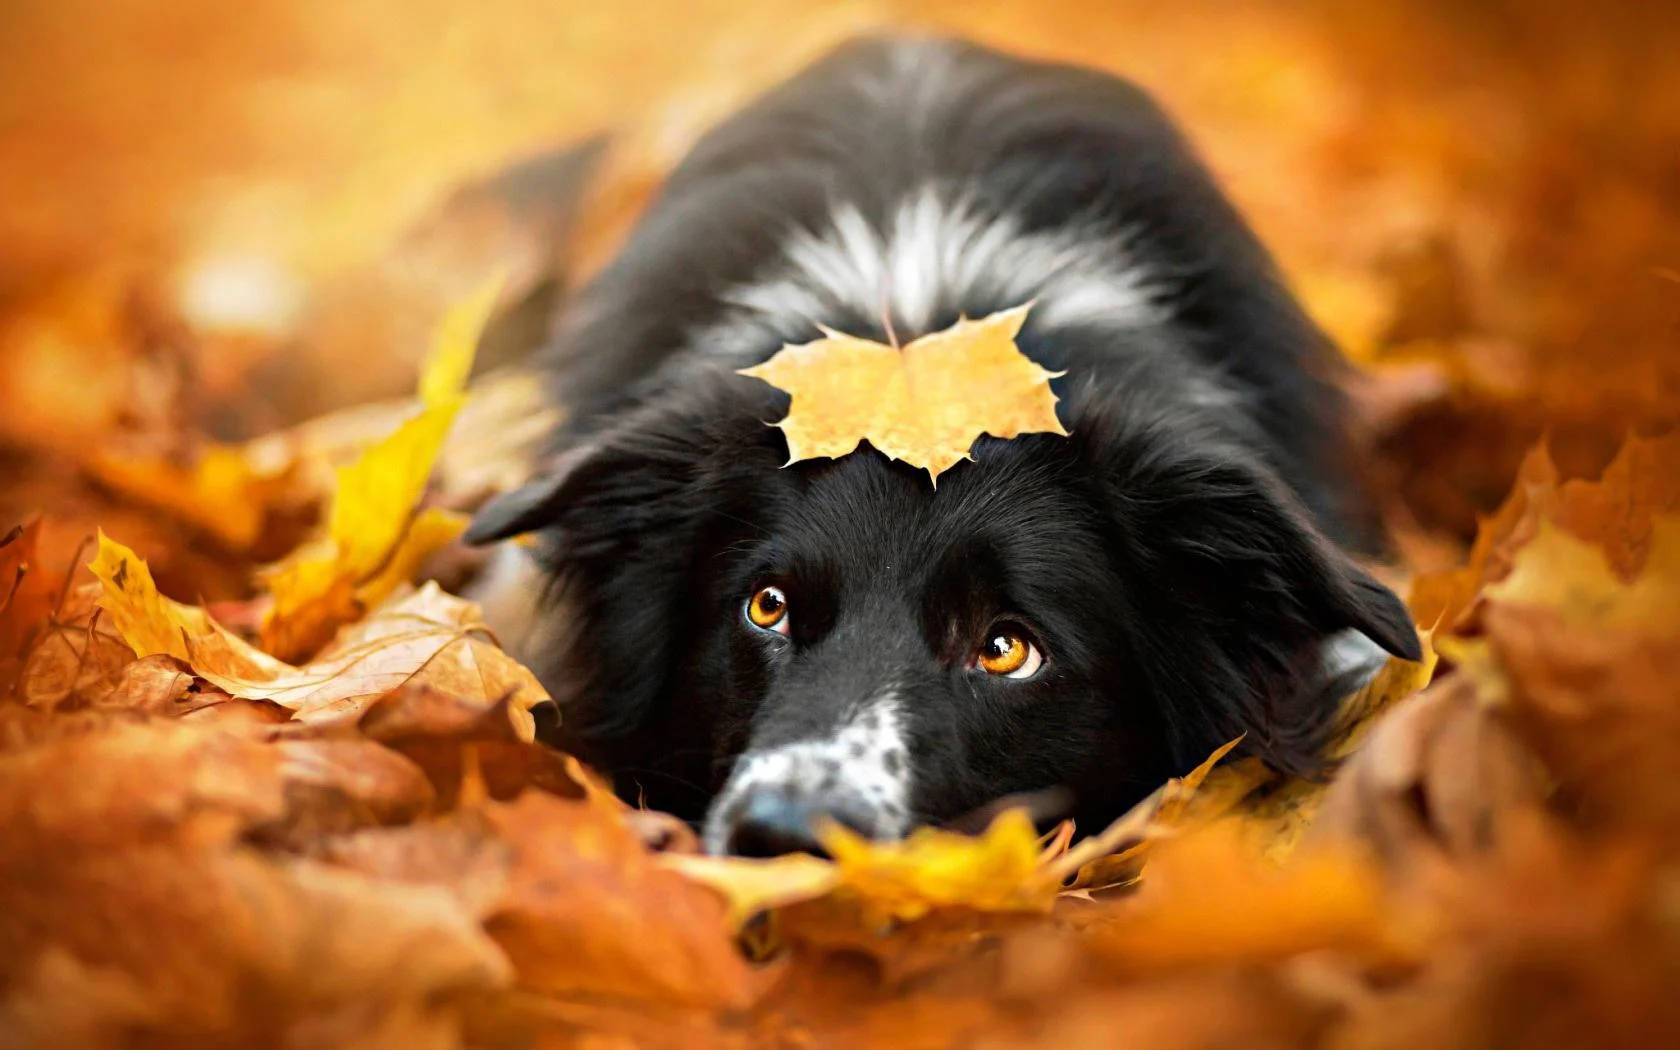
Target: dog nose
772	823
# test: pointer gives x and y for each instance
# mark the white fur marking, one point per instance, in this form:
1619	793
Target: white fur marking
1350	652
855	759
938	253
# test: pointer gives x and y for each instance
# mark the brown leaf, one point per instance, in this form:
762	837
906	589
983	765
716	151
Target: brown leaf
1206	900
27	594
426	638
1439	772
439	730
122	782
158	685
567	888
168	945
589	911
334	785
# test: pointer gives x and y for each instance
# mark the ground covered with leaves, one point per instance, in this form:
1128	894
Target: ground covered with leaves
266	779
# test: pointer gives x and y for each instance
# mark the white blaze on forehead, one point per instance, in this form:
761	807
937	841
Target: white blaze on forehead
865	763
936	253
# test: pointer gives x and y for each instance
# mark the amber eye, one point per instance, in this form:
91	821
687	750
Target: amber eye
1009	654
768	609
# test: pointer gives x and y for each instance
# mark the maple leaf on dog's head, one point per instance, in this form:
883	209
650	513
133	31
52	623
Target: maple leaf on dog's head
924	403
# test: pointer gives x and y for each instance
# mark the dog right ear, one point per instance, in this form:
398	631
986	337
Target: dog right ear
536	504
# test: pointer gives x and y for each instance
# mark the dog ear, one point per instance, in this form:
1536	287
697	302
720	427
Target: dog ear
1228	523
624	518
647	456
1238	598
537	503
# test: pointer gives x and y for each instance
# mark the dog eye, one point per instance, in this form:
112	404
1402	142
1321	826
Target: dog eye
768	610
1009	654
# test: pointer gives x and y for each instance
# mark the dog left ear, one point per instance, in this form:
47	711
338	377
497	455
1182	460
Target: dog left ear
1232	525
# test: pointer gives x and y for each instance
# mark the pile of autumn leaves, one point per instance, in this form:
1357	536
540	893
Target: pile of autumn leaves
327	824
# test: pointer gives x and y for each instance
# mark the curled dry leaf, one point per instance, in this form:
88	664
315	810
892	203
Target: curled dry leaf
1441	771
77	659
159	685
924	403
446	733
423	638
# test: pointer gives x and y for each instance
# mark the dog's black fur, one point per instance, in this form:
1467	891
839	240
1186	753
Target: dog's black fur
1179	558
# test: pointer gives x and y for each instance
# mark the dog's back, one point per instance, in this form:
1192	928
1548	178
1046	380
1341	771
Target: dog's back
924	179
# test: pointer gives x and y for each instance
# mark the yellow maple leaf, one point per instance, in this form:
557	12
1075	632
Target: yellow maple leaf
905	879
374	541
151	623
924	403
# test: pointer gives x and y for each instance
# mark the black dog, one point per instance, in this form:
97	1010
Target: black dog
755	647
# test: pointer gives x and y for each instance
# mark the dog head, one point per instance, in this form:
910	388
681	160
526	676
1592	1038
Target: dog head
767	647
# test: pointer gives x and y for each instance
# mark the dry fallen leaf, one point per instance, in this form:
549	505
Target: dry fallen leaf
77	657
27	593
178	868
229	491
924	403
426	638
997	870
233	948
41	654
1575	578
1443	768
751	886
587	909
1095	862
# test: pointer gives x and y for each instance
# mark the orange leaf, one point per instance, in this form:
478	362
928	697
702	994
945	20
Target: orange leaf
923	404
26	592
227	490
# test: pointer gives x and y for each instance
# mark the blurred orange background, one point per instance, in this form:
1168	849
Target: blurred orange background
1479	200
